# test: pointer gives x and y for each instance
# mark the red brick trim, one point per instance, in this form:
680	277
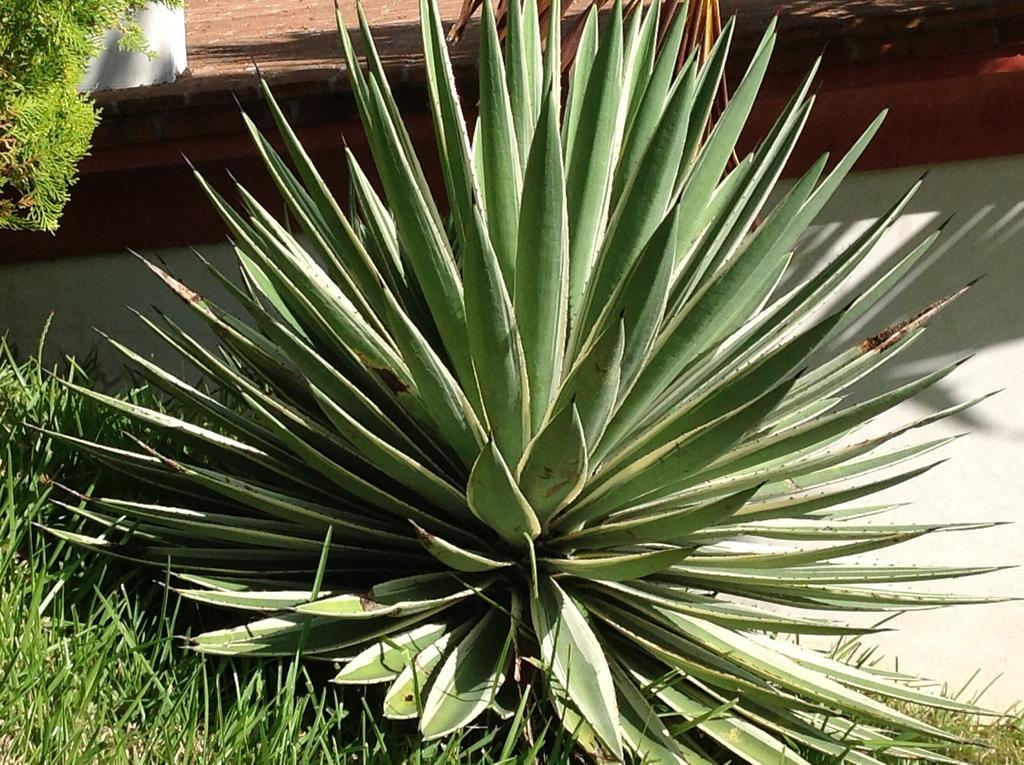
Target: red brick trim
141	194
942	110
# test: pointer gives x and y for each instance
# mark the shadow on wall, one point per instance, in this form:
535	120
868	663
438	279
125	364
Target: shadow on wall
984	238
982	480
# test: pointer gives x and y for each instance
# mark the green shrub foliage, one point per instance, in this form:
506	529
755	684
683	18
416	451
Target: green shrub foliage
45	123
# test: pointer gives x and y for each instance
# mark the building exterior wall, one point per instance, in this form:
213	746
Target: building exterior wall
983	479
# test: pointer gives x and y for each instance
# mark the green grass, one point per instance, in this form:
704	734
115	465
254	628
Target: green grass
999	743
93	673
92	668
91	664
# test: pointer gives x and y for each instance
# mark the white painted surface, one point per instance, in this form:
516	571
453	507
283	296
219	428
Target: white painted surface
114	68
984	479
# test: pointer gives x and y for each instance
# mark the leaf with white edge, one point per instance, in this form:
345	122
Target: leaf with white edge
789	674
618	568
576	659
678	598
404	698
496	347
864	679
496	500
470	677
423	592
416	219
418	477
707	318
593	383
455	557
447	403
714	156
284	635
820	431
732	731
518	74
555	464
639	300
580	732
582	372
644	205
591	144
649	103
542	264
582	65
384	661
250	601
666	526
500	165
692	451
713	398
449	122
645	732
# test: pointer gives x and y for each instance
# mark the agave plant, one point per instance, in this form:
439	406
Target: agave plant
578	430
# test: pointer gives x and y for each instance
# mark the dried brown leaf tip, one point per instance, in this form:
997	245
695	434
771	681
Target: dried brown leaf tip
886	338
424	536
896	332
181	290
186	294
367	603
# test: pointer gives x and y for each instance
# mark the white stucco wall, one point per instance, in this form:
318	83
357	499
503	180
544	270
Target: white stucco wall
984	479
114	68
